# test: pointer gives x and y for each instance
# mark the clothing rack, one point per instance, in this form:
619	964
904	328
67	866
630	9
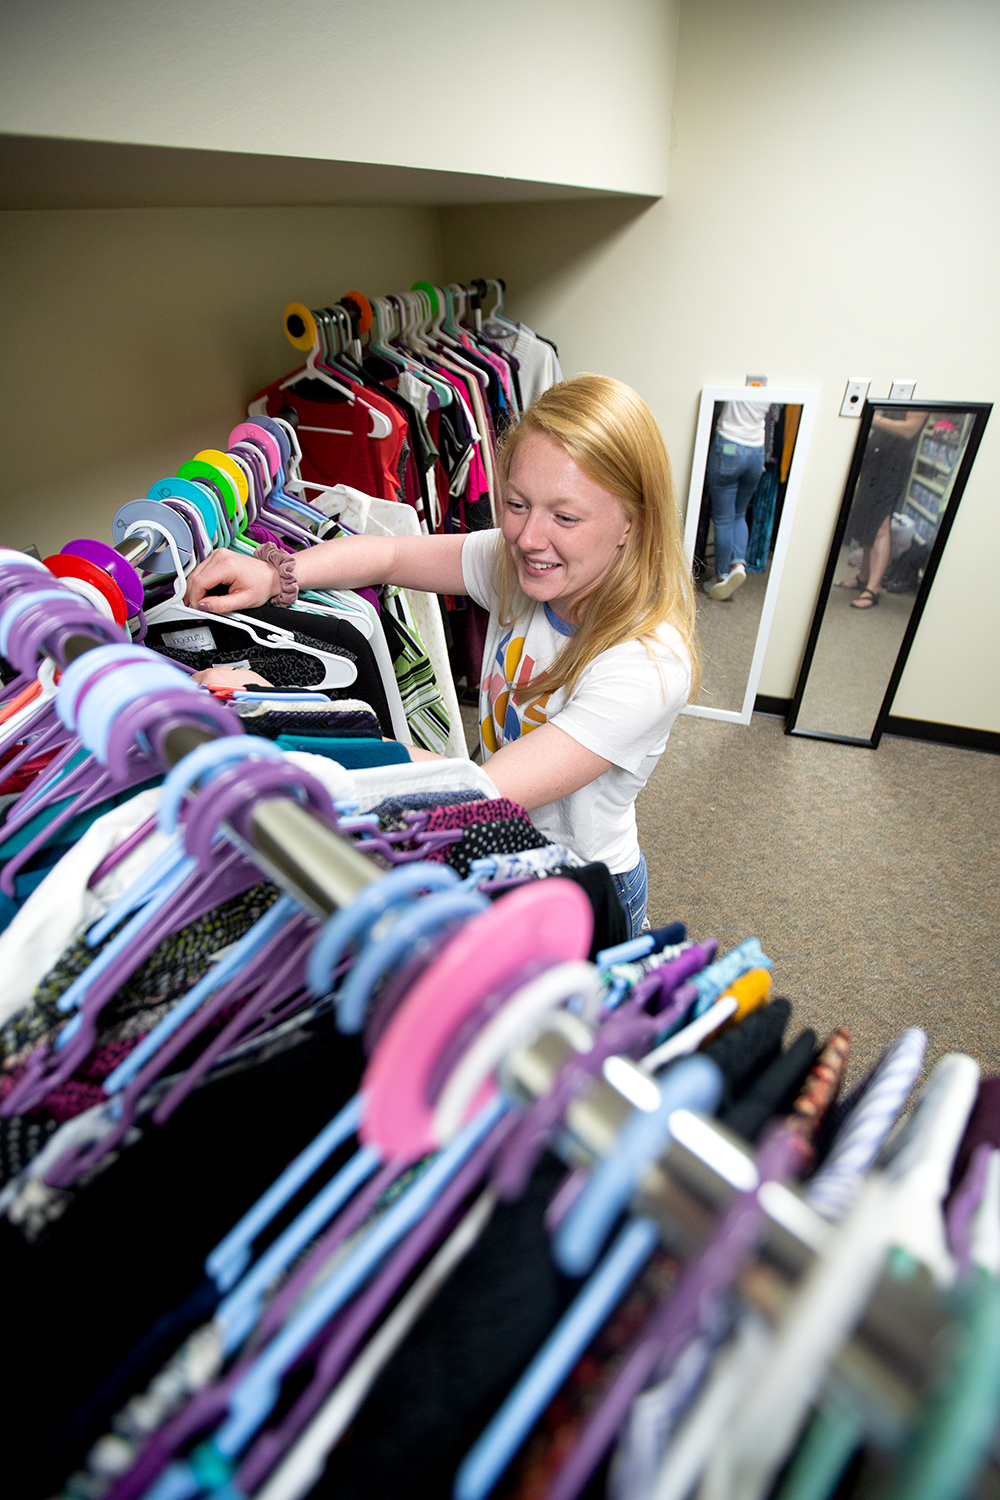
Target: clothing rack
891	1360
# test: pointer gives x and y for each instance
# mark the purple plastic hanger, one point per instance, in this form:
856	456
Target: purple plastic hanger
92	786
122	851
19	577
51	786
49	1066
353	1326
16	685
44	629
629	1031
962	1209
152	717
685	1313
283	956
620	1034
283	976
209	1405
231	796
422	844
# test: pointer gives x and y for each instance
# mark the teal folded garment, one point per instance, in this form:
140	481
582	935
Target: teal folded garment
352	753
76	827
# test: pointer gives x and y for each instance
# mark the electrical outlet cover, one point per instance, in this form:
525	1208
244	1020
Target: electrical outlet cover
854	396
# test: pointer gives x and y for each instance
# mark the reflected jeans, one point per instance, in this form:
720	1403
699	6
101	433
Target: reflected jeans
733	474
632	887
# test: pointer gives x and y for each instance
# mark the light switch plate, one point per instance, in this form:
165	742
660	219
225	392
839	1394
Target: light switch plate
756	380
902	390
854	396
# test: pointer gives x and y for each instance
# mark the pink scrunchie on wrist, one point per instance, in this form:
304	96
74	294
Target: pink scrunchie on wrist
284	564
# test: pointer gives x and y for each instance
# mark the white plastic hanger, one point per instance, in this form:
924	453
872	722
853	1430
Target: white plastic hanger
380	426
338	671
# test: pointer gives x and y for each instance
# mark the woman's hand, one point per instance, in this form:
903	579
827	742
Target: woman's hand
229	677
250	582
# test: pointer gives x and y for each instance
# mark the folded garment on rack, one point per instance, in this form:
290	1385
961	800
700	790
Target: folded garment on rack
357	721
390	811
352	752
226	645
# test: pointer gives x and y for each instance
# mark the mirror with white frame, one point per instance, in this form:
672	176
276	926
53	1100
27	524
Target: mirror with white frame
749	455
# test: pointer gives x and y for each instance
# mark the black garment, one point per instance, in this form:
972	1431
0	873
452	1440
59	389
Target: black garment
134	1240
330	632
774	1092
884	471
21	1139
348	723
281	666
505	836
456	1366
903	574
392	810
744	1050
610	922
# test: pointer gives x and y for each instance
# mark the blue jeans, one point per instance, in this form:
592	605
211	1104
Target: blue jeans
633	888
733	474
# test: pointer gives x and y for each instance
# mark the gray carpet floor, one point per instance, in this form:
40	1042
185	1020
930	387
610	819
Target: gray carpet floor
870	877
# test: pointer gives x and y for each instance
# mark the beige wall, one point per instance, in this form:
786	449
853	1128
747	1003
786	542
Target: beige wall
832	211
540	89
134	337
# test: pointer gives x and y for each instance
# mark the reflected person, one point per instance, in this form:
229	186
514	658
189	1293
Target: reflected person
735	464
888	461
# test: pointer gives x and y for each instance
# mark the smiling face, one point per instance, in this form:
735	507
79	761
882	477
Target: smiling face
562	529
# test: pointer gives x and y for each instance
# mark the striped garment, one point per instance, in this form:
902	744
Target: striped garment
862	1134
423	704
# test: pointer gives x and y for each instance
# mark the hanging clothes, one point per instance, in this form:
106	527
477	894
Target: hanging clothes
421	1198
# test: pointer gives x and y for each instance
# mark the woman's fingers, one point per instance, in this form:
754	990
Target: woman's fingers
249	580
231	677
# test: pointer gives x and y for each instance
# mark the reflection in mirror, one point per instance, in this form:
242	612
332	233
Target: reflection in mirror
910	465
747	469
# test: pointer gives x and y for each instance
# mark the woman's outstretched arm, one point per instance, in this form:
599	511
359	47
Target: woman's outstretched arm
433	563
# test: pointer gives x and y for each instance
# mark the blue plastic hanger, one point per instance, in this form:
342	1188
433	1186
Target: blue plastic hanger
231	1256
238	958
254	1396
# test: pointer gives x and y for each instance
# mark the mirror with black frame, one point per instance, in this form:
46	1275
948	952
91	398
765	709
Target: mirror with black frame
750	451
911	462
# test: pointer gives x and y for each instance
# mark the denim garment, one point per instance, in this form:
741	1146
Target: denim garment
733	474
633	888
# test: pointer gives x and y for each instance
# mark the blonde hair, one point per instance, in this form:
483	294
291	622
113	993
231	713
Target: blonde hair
611	434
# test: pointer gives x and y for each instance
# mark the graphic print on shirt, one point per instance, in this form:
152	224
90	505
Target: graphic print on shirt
506	720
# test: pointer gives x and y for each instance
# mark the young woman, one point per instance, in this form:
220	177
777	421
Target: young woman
590	652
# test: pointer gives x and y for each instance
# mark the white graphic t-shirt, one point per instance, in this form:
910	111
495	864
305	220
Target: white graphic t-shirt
622	708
